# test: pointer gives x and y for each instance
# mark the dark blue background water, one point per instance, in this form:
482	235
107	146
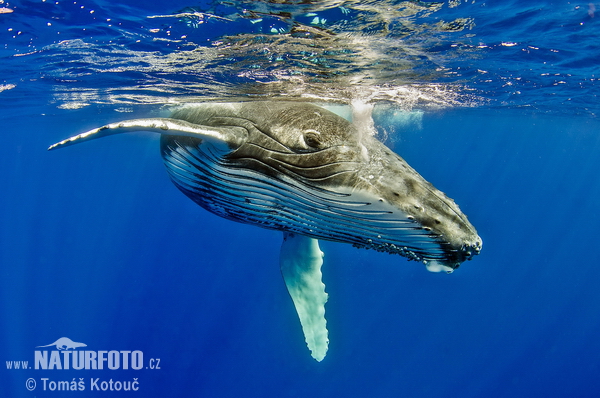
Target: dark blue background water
97	245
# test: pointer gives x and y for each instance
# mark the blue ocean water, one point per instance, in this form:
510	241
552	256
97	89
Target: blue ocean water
495	103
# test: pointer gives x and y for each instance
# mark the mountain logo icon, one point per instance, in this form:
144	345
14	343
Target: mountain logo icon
64	343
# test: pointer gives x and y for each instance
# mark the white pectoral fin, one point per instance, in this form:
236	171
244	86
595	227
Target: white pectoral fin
226	138
301	261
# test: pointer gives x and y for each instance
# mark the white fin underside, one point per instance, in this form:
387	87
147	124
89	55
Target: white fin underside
301	261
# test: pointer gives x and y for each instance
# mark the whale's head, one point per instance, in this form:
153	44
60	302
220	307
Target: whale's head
300	168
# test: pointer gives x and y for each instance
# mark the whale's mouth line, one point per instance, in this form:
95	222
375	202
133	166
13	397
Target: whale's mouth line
284	204
301	164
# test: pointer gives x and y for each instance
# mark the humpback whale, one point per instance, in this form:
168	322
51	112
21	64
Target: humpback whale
303	170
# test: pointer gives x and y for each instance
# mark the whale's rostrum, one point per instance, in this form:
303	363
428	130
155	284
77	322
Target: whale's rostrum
301	169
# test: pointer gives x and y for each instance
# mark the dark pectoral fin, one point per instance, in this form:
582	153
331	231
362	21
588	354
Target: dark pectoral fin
225	138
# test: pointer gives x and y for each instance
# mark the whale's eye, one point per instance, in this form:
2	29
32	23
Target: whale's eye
311	138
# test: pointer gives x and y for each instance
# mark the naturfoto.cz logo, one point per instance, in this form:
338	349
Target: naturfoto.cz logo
63	358
68	354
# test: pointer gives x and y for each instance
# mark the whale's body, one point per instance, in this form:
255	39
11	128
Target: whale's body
301	169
